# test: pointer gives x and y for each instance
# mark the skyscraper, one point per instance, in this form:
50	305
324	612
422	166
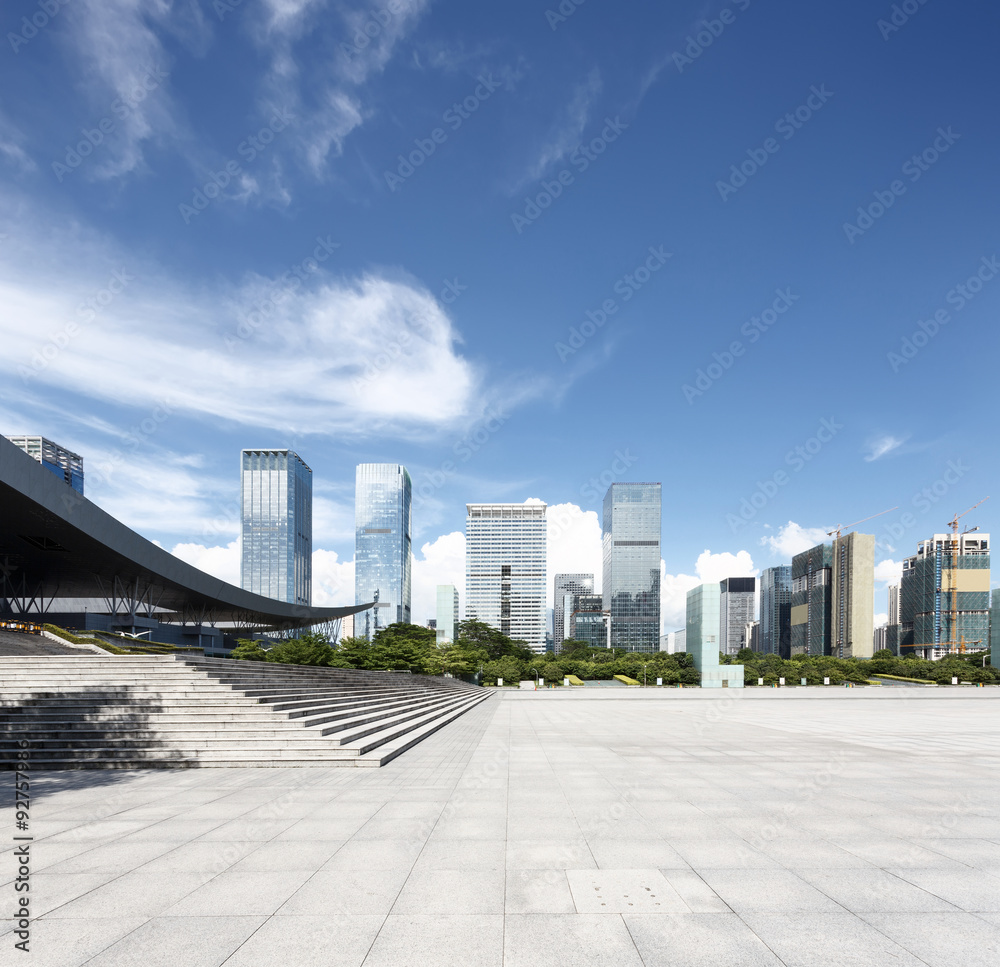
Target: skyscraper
383	557
447	613
631	537
505	563
833	591
892	626
852	600
944	598
810	613
736	611
276	510
567	587
776	611
60	461
702	638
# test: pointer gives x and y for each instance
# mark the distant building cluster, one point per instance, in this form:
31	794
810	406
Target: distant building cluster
820	604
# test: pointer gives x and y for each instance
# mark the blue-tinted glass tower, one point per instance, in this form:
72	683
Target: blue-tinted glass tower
276	504
383	556
632	565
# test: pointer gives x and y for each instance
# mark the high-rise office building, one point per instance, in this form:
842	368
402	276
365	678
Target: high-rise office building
631	551
775	636
810	612
567	586
62	462
702	638
736	611
276	510
447	613
751	636
944	599
892	626
505	564
593	627
852	597
383	495
995	629
833	591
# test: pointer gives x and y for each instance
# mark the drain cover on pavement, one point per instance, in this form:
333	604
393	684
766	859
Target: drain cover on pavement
621	891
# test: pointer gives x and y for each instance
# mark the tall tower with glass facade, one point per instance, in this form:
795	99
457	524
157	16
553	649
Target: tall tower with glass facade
736	611
567	589
276	510
383	557
776	611
447	613
631	591
505	563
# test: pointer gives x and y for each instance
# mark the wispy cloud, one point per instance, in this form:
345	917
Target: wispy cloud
881	446
566	133
329	102
373	353
124	73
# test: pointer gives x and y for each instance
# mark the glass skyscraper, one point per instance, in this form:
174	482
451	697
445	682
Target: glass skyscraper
776	611
632	565
276	506
447	613
383	557
736	611
505	562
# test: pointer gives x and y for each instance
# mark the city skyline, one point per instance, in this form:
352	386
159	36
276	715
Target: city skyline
305	284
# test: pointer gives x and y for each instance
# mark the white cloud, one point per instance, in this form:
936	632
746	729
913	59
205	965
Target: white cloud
374	353
441	561
333	579
222	562
881	446
566	134
710	568
793	539
124	67
889	572
574	545
879	619
327	104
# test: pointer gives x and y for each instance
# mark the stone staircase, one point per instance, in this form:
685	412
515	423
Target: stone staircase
142	712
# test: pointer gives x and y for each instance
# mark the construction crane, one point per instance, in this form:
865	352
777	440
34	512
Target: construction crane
836	531
953	644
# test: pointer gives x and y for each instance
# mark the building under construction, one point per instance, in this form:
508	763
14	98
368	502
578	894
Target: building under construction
833	598
944	600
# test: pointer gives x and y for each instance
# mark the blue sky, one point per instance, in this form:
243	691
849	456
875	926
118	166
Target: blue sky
513	252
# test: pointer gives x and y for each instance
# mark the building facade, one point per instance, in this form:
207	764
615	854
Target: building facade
775	636
564	593
592	627
505	568
944	598
810	611
383	522
60	461
631	557
702	638
892	626
736	610
276	516
852	597
446	623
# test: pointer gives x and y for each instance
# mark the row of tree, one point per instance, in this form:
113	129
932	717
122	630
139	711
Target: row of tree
489	654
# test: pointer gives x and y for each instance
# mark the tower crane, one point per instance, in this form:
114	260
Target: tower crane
836	531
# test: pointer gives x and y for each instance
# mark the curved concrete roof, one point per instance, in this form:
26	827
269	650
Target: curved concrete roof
56	543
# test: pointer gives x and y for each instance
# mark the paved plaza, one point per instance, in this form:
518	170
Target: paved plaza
600	827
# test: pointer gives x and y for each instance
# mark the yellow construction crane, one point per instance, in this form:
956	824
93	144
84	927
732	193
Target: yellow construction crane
959	645
836	531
